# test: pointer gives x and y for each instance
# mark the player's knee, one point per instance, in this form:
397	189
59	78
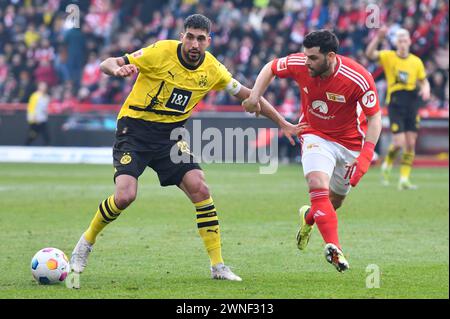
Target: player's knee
195	185
410	146
399	143
201	190
124	198
315	182
398	146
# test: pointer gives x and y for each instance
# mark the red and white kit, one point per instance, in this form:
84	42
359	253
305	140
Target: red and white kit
336	109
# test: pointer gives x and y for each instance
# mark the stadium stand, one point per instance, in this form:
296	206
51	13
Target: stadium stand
38	43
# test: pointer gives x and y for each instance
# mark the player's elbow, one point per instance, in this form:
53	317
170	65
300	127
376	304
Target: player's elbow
375	119
369	54
268	68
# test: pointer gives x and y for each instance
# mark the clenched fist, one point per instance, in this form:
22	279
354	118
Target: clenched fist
126	70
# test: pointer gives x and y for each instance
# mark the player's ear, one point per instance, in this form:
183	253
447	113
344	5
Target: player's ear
181	36
331	55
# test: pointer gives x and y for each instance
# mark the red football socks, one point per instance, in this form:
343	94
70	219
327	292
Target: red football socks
323	214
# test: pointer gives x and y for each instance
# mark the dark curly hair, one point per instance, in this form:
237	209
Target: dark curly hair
197	21
326	40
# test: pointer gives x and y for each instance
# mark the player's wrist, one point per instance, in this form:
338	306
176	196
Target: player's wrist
369	146
367	150
253	99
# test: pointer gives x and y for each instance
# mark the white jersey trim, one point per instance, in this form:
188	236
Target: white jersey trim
358	126
357	74
353	78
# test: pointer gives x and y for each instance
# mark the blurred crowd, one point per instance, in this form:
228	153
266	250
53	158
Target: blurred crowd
62	45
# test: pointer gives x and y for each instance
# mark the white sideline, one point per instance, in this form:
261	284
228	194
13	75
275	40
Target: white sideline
63	155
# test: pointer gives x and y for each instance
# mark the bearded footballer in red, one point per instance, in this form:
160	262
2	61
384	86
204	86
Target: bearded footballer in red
340	106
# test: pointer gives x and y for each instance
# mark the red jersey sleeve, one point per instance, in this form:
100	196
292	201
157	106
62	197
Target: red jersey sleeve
368	98
290	66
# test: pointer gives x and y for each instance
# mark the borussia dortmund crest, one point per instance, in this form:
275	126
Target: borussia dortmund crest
126	159
203	81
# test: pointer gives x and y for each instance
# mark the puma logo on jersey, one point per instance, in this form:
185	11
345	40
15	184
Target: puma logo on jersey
172	75
335	97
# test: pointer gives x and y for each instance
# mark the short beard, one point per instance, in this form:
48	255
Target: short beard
324	68
188	58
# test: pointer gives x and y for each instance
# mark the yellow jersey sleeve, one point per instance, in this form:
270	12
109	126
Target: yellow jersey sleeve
167	89
223	77
421	74
384	57
145	58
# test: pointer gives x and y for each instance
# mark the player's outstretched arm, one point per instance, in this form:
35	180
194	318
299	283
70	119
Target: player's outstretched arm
117	67
362	163
371	52
262	82
265	108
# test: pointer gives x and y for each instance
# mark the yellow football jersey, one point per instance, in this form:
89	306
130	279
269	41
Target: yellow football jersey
167	88
401	73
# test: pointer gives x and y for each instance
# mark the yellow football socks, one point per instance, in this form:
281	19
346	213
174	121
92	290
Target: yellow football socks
391	155
208	228
406	165
106	213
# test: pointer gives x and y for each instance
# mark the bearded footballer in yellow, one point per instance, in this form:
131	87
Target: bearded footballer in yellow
173	77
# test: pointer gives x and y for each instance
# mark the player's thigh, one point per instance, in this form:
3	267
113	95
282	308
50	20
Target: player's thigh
170	173
340	181
396	118
174	162
128	167
317	156
412	122
194	186
399	139
126	190
129	163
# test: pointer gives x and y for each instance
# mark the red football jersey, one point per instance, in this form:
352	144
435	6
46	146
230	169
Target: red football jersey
335	107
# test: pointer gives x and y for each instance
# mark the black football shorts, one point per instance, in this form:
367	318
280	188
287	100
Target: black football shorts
140	144
403	112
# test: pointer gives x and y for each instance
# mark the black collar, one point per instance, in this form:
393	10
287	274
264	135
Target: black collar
184	63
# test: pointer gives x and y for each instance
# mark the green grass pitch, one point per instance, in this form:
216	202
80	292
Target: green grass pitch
153	250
